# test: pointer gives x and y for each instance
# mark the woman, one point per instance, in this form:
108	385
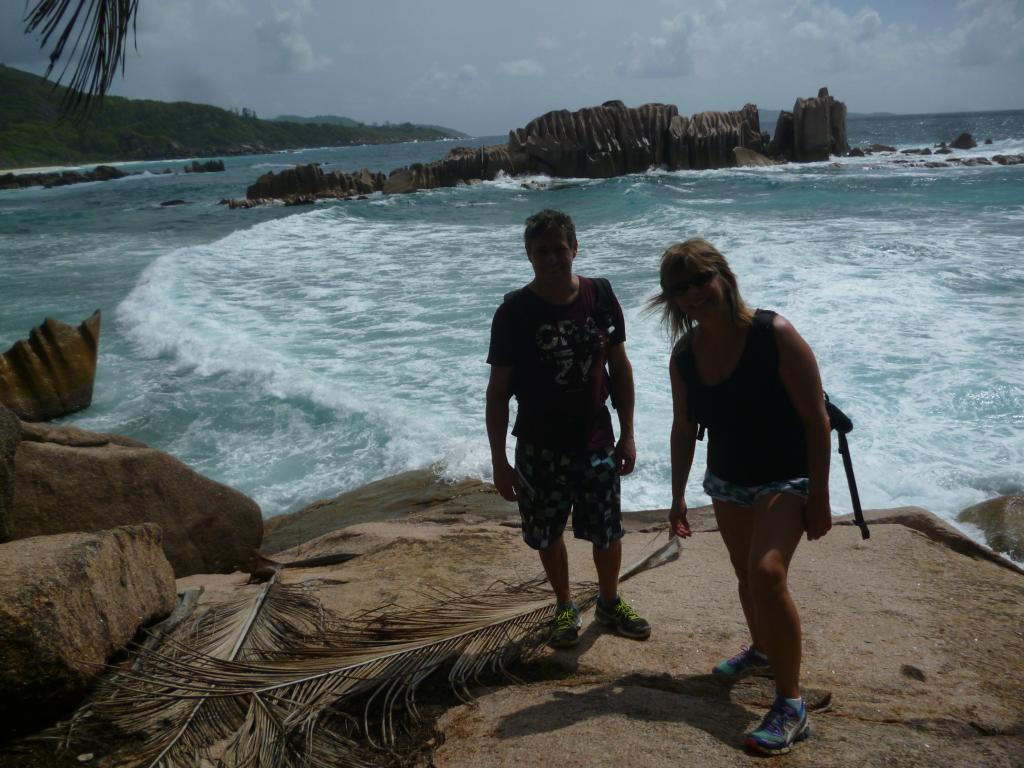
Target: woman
751	380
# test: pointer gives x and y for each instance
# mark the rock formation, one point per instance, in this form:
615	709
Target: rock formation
67	479
210	166
964	141
59	178
52	373
819	129
311	180
596	143
1002	521
67	603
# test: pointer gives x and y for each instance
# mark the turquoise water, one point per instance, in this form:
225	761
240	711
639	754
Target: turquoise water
295	353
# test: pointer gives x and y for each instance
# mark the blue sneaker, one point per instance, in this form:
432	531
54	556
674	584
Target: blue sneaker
566	630
781	728
748	661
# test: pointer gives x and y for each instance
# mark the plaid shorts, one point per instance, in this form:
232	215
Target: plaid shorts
555	484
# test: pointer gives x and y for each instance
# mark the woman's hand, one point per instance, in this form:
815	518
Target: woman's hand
678	524
817	516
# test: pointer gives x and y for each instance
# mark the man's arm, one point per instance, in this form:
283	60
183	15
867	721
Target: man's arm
499	391
620	372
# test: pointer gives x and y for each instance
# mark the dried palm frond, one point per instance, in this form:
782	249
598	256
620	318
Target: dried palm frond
272	702
102	27
250	628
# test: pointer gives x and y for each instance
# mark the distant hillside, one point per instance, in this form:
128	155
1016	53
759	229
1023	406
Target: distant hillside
339	120
321	119
32	133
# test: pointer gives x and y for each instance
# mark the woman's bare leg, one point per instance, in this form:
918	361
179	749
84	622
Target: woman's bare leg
778	525
736	524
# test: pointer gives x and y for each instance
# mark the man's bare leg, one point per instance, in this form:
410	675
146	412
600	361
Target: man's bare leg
608	563
555	560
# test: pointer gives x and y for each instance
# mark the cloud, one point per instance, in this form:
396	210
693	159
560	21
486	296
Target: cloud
286	48
667	56
464	82
521	68
993	33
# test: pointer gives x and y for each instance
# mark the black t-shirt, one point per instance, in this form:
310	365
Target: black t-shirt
558	354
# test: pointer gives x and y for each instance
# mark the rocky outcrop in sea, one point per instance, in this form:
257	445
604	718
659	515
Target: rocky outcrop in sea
596	143
51	374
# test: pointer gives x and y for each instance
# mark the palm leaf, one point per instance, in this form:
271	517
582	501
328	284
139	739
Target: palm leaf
99	29
249	628
281	695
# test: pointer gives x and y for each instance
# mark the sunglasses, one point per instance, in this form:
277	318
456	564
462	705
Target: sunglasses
695	281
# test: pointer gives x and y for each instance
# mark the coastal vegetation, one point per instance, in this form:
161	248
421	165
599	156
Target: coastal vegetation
33	130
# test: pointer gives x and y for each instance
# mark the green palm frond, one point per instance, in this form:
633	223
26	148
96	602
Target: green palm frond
99	29
257	678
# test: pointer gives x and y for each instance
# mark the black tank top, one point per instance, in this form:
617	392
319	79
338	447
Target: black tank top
755	435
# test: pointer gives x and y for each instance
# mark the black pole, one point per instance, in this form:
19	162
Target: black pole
858	513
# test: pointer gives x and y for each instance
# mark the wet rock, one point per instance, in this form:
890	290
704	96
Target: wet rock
749	158
920	151
964	141
855	152
1001	520
69	479
881	148
1008	159
67	603
167	203
51	374
210	166
311	180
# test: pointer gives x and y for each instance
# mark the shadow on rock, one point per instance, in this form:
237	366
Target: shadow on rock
700	701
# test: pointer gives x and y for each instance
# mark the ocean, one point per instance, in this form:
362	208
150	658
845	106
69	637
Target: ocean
296	353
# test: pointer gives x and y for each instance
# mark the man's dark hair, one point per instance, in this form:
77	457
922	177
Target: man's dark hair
546	220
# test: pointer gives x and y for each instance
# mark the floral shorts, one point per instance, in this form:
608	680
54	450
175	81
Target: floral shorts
745	495
555	484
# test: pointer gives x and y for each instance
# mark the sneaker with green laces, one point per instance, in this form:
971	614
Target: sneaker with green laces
749	661
623	618
781	728
566	630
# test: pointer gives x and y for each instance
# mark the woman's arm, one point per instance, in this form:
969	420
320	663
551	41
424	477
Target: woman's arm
682	442
799	373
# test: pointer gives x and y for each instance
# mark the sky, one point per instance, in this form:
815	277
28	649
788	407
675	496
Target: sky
485	67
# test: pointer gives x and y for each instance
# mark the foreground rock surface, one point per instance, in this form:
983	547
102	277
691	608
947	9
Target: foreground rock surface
51	374
911	648
68	479
67	603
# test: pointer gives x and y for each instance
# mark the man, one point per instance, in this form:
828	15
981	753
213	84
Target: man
550	344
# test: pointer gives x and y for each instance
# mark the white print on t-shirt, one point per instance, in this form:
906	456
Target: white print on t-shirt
567	348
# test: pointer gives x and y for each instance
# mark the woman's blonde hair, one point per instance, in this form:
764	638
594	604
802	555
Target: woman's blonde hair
682	261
